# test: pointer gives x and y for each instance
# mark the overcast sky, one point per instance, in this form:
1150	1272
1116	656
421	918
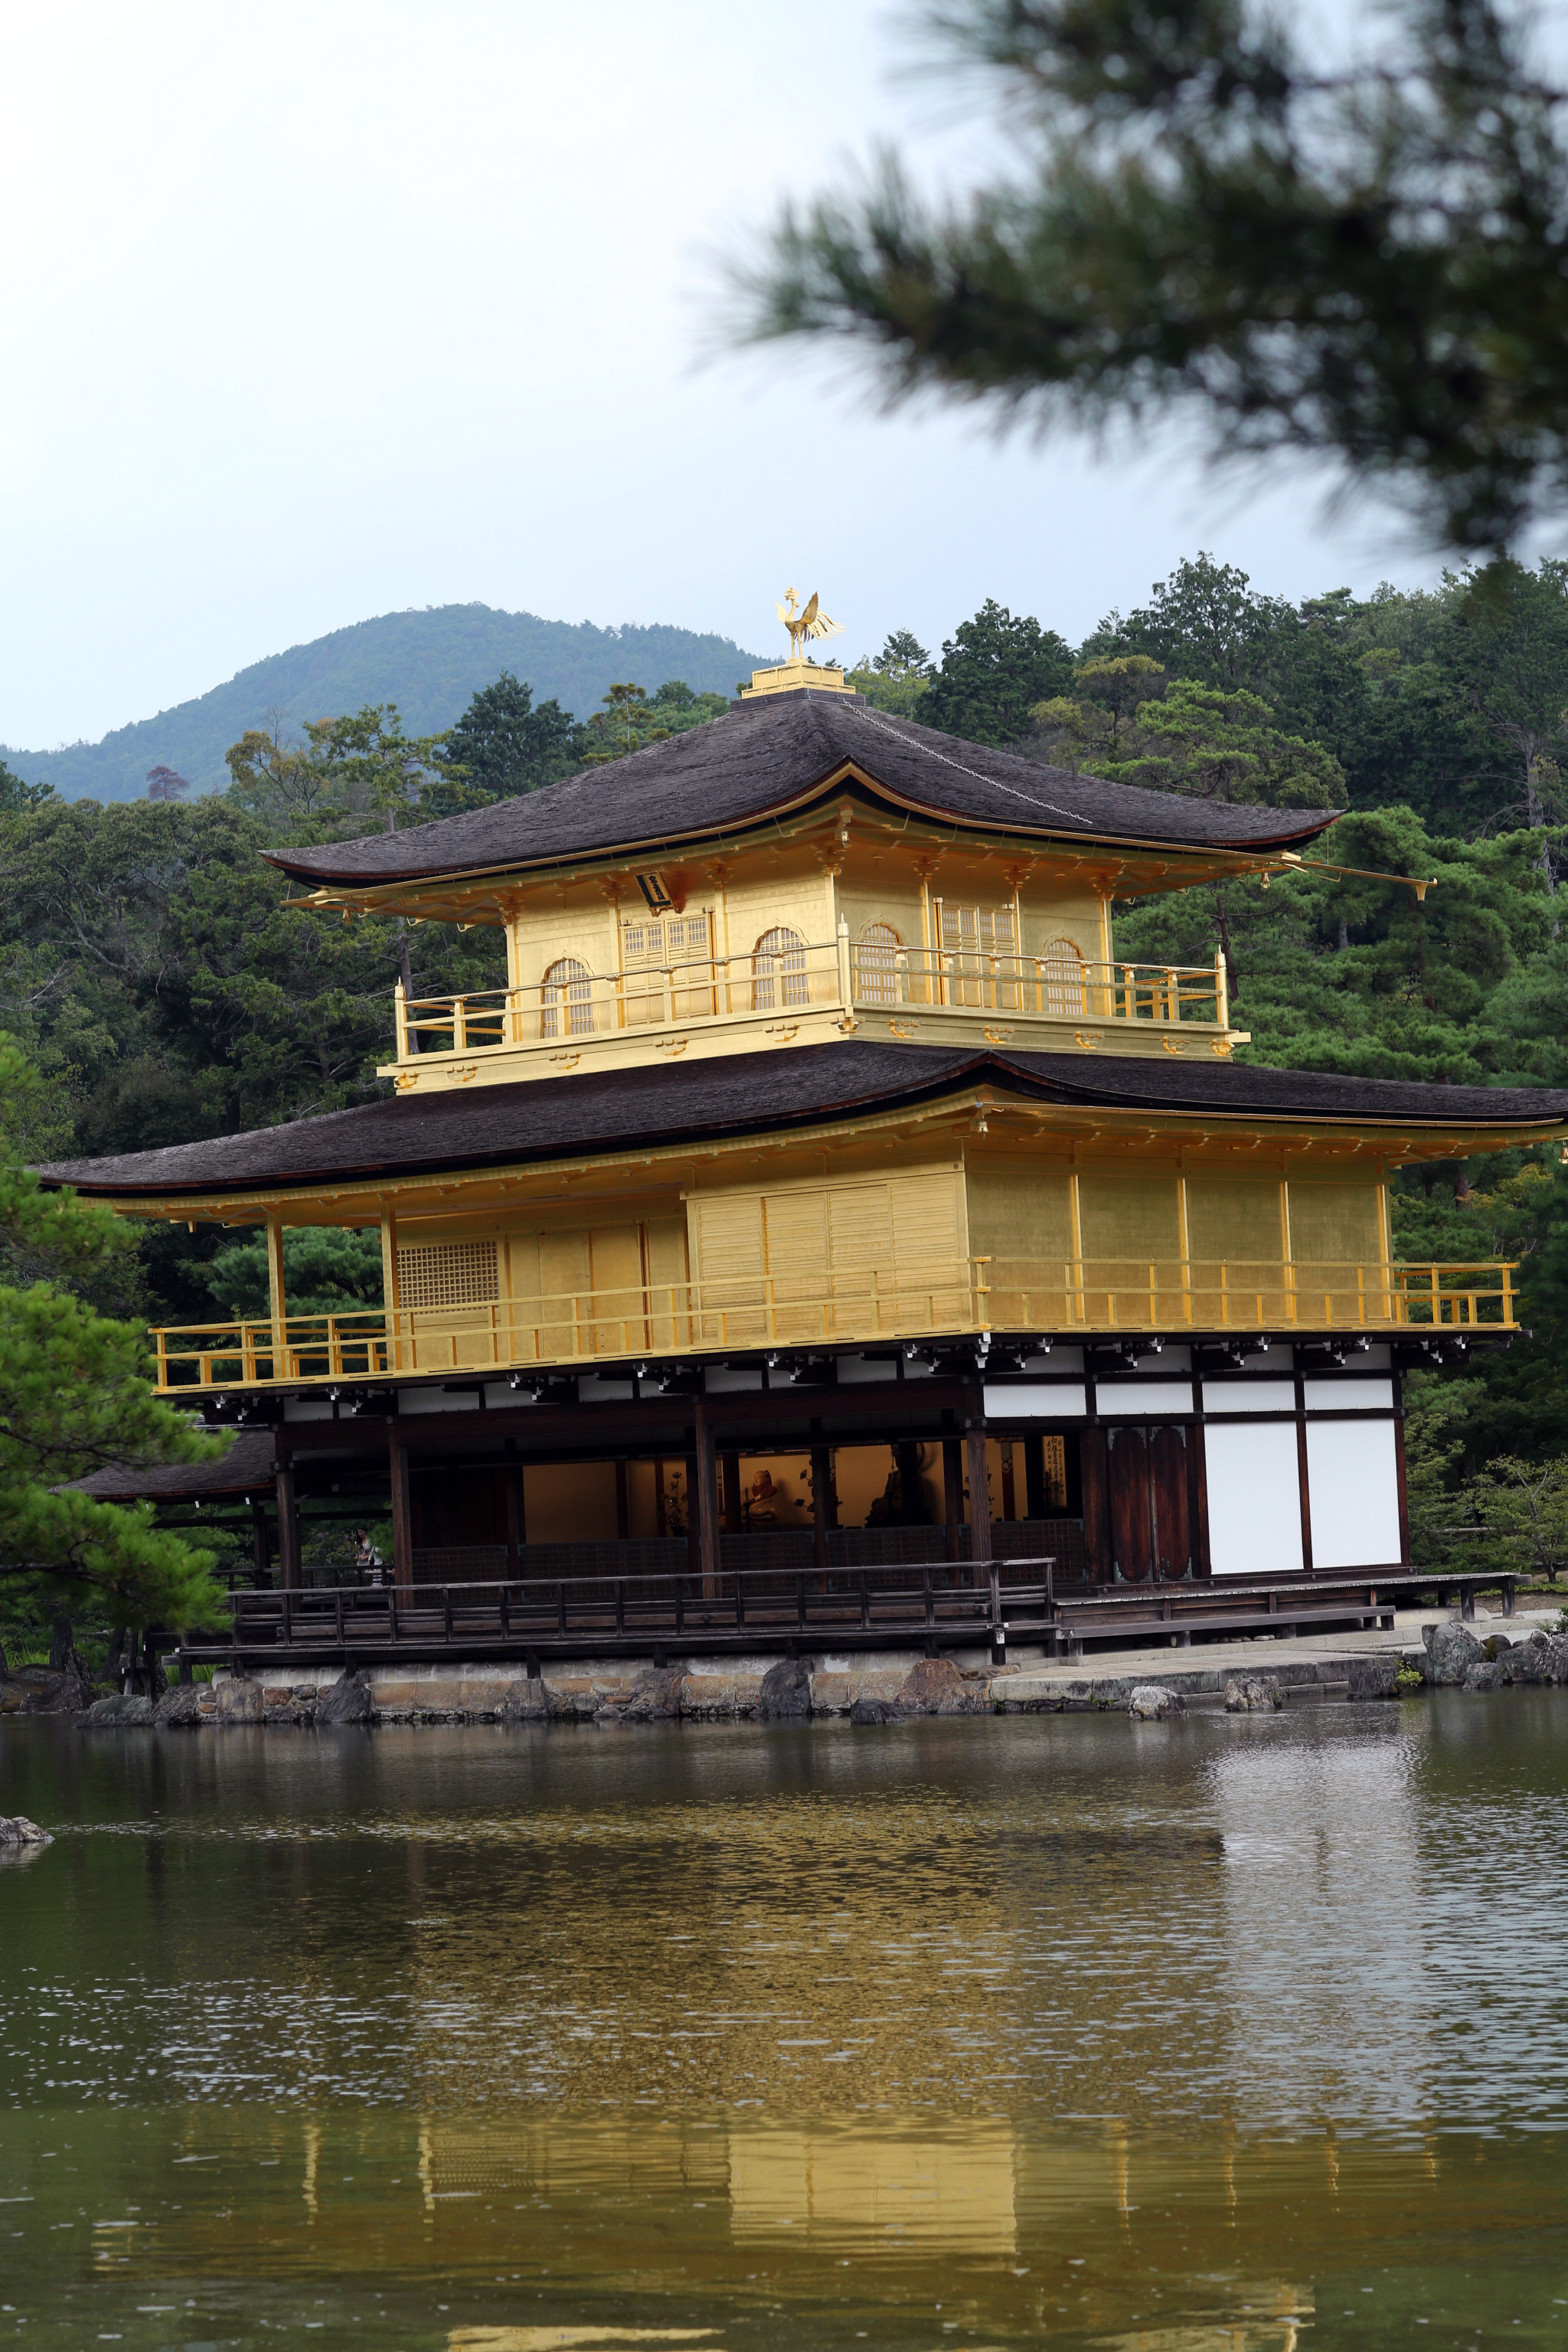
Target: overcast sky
321	311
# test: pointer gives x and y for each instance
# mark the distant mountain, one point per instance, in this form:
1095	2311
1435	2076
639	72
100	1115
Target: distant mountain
428	663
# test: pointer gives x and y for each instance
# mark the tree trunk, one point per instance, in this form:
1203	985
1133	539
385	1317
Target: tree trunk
1232	982
62	1649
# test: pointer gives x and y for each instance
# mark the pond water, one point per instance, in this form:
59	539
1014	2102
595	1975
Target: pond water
961	2033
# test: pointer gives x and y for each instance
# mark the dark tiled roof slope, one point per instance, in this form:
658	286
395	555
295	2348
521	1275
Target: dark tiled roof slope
769	755
547	1119
246	1465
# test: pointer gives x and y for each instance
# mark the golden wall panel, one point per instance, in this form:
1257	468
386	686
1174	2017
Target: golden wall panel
845	1260
1235	1243
1336	1227
1129	1228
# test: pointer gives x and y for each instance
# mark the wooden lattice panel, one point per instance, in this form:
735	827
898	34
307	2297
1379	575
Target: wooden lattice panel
448	1274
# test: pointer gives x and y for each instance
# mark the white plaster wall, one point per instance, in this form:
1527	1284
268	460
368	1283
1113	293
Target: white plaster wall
1352	1487
1255	1498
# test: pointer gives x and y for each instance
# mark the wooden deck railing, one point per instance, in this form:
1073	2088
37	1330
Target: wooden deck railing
572	1003
952	1299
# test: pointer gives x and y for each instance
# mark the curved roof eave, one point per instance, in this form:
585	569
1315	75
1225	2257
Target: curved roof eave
1306	825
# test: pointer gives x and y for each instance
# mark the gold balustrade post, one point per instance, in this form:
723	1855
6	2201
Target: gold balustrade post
276	1303
1221	989
846	987
459	1024
400	1017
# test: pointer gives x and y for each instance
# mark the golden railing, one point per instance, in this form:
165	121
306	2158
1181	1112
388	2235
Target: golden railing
1042	987
571	1005
947	1298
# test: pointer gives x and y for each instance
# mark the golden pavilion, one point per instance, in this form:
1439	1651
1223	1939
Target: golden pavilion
824	1236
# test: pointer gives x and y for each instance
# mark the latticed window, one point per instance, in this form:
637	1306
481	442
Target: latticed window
668	967
877	963
778	970
980	944
1061	977
448	1274
565	1003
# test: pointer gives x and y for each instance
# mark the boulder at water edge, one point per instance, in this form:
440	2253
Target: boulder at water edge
348	1700
1543	1658
239	1702
935	1687
1252	1694
1372	1678
116	1712
874	1710
16	1828
179	1709
1150	1701
785	1694
1451	1651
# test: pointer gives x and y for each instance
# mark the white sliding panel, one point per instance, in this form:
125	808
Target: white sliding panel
1352	1487
1255	1498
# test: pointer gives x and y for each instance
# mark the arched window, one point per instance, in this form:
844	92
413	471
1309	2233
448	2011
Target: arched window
1061	977
778	970
565	1006
877	963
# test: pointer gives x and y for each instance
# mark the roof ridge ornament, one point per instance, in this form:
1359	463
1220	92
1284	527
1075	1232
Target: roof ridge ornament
807	624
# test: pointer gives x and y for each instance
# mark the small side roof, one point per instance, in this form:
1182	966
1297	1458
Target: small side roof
760	759
246	1468
769	1093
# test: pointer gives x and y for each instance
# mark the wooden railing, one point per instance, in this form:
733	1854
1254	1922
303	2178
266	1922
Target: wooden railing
945	1299
574	1004
959	1599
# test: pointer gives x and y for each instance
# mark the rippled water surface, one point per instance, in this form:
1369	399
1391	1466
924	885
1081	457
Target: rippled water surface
952	2033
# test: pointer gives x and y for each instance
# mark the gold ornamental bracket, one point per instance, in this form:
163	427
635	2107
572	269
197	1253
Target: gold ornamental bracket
1287	861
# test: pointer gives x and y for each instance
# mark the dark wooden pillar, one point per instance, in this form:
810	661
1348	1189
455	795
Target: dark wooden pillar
1404	1491
1202	1563
693	1529
288	1527
909	1460
979	1491
953	1494
623	1503
402	1518
515	1515
734	1518
705	1504
1096	1473
260	1544
824	1514
1301	1474
1034	1504
1009	1491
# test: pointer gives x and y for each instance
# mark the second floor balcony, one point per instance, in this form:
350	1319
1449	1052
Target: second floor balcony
787	989
1062	1298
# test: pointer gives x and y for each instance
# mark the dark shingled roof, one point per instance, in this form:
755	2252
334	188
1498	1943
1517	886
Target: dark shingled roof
246	1465
761	757
550	1119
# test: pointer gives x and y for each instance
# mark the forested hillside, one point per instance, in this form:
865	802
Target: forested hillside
427	663
151	966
